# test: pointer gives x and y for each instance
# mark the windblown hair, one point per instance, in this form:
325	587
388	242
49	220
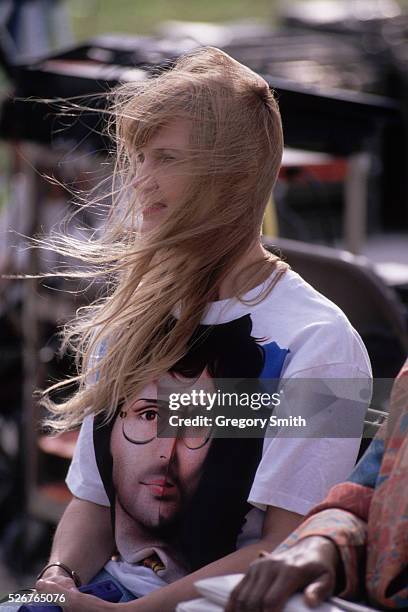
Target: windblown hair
232	163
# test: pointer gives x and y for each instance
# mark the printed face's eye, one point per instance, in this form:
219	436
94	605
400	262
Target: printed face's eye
141	425
149	415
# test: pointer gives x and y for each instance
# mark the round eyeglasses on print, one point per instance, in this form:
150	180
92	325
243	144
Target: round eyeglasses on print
146	421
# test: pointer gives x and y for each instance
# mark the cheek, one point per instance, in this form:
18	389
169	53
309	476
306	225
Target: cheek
173	186
123	454
193	462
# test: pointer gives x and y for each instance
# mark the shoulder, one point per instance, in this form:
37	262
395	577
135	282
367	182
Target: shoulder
315	331
301	323
296	303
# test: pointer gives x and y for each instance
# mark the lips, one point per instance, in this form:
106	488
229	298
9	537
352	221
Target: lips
161	482
153	208
159	486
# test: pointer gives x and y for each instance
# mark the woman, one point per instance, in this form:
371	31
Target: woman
193	295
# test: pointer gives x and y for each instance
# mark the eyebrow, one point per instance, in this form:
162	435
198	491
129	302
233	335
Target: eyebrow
147	399
166	149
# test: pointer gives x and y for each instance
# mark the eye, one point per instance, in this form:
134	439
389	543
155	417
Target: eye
150	414
166	158
140	157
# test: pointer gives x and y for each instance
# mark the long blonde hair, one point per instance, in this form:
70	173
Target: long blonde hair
234	156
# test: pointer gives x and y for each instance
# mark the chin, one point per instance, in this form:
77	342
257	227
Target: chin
159	523
167	518
153	514
168	513
148	226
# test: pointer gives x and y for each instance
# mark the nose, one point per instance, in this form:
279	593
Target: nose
167	448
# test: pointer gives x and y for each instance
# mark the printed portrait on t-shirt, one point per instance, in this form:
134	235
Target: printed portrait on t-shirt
179	503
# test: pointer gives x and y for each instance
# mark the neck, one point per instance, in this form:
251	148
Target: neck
251	270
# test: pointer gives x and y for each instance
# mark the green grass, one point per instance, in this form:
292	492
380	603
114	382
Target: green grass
92	17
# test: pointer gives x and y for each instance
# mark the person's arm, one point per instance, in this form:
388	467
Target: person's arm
278	524
325	554
83	541
312	564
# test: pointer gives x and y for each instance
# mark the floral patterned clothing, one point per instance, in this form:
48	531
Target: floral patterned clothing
367	516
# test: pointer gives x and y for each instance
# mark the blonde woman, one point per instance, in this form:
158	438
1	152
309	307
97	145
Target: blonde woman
192	296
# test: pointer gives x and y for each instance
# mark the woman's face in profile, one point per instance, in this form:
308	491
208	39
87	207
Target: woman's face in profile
161	175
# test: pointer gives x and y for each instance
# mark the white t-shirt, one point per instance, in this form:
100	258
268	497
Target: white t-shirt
304	336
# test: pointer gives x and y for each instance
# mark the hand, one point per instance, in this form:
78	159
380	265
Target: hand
75	601
59	576
311	564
